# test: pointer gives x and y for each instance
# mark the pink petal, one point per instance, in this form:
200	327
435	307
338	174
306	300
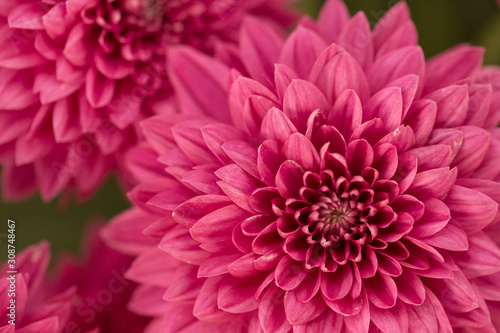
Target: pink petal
381	290
356	38
337	285
332	18
347	112
433	183
299	313
237	295
98	88
452	103
260	47
387	104
392	320
300	100
301	50
335	70
393	65
191	70
388	24
473	265
272	315
454	65
277	126
471	210
289	273
268	161
421	117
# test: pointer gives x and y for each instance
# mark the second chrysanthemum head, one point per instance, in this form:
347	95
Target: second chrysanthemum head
78	75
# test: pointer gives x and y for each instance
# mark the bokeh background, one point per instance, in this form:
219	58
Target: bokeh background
441	24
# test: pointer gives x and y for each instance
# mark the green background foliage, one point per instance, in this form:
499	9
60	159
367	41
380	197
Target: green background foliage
441	24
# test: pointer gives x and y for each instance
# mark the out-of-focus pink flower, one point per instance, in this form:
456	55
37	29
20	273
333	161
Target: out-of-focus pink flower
102	289
332	181
87	295
33	310
74	75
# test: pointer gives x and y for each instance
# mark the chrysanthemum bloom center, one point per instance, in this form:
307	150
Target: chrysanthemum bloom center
337	215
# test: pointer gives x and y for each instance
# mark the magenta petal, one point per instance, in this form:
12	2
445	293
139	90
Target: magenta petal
124	232
393	65
421	117
217	264
299	149
301	50
289	273
237	295
309	287
452	103
289	179
237	184
411	290
191	70
387	104
385	160
272	315
244	267
328	320
215	135
450	238
205	307
485	264
474	148
381	290
332	18
99	89
356	38
268	161
347	306
433	183
336	285
335	70
432	156
480	97
347	112
283	76
359	155
394	18
277	126
260	47
471	210
14	90
239	93
190	141
452	66
217	226
243	154
299	313
300	100
189	212
150	267
404	35
392	320
460	294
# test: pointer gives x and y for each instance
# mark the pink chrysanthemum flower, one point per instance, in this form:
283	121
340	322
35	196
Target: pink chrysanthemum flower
74	75
335	181
32	310
102	289
86	297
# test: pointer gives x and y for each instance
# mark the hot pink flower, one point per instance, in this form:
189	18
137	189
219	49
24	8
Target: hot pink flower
88	296
345	187
74	75
102	289
33	310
